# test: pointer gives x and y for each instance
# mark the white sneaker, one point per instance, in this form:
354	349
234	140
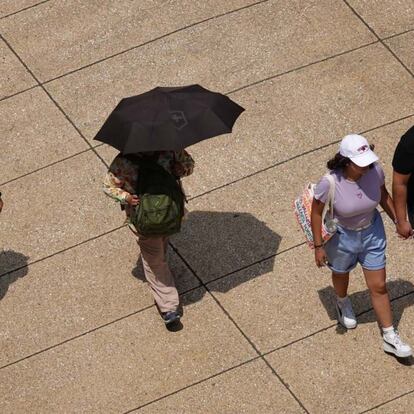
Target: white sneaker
392	343
346	316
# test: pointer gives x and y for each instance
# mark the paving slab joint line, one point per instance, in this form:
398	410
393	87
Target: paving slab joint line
53	100
76	337
379	39
397	34
240	330
326	328
98	327
217	374
61	251
155	40
174	248
277	164
219	187
227	93
263	259
273	370
316	62
40	84
386	402
24	9
187	27
101	326
49	165
252	360
18	93
259	354
216	188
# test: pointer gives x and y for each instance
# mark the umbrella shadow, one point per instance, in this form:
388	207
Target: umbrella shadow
218	244
10	259
396	289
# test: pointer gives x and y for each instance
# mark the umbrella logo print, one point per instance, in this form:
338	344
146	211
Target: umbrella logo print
179	119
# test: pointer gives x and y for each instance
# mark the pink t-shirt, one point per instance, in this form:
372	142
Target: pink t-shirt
354	202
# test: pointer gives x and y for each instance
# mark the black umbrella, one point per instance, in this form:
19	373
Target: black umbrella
168	119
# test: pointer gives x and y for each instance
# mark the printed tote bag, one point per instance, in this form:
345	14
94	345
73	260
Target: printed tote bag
303	207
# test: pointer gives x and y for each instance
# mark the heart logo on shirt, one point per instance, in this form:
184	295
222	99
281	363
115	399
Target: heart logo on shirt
359	195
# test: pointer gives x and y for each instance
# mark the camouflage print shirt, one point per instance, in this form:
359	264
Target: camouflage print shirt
122	176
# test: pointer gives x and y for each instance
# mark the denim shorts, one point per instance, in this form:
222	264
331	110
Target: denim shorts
347	248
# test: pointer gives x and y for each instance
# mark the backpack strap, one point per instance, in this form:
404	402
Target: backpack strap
330	199
179	182
134	159
152	161
142	162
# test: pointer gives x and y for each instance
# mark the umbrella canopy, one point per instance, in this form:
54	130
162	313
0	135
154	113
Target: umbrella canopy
168	119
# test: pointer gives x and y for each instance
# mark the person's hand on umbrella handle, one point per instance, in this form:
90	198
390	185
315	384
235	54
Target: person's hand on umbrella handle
320	257
132	199
178	169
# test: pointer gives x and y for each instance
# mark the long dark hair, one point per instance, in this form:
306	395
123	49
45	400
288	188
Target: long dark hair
339	162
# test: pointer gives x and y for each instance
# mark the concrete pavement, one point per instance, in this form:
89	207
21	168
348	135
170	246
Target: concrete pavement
79	331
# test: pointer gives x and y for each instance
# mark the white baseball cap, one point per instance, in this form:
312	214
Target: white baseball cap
356	148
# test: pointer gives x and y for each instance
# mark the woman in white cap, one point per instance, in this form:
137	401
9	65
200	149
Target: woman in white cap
360	236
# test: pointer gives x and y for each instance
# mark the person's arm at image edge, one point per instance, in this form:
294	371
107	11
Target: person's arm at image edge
399	192
387	203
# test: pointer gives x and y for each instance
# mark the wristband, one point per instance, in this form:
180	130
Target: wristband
318	246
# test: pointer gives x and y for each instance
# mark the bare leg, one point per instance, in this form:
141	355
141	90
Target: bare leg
379	296
340	283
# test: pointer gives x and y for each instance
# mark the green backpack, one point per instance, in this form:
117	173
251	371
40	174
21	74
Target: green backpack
161	207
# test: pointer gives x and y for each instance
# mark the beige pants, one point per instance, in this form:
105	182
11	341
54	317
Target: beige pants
157	272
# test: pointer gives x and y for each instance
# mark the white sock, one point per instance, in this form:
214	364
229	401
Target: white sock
387	331
341	300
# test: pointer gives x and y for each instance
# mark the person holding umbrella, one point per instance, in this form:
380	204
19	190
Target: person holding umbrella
151	131
120	183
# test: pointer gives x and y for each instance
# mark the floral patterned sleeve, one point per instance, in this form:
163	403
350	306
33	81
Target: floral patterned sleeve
187	162
118	180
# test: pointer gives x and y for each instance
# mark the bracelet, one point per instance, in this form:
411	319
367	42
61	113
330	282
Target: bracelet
317	246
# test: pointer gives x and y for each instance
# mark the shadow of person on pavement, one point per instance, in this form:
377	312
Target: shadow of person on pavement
216	244
402	296
10	259
362	303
